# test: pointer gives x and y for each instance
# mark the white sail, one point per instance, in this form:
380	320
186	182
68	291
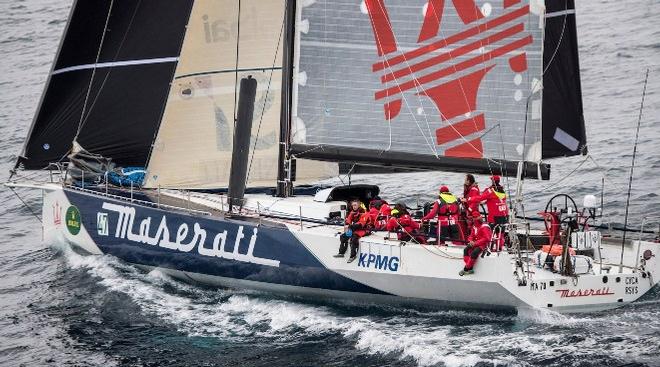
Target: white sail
194	143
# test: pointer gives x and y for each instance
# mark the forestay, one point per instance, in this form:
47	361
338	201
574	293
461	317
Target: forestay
453	85
226	40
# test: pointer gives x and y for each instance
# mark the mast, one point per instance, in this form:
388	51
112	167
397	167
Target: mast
283	177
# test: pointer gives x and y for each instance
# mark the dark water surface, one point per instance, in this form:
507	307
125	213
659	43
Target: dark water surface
58	308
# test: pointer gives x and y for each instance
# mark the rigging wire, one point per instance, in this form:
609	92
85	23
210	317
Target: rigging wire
632	165
389	67
91	80
263	108
26	205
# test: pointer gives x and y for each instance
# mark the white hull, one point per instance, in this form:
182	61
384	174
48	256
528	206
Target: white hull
422	274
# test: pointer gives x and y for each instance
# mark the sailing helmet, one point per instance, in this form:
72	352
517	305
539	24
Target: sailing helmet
444	189
394	212
495	178
475	215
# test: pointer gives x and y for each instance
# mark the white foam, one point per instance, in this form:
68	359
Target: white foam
427	338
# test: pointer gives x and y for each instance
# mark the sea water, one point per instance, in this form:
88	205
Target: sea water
59	308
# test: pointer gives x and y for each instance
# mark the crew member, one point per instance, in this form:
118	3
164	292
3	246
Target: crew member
447	210
495	198
479	238
401	222
470	190
379	211
357	225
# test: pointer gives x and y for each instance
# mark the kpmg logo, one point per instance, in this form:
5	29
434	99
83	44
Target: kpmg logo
449	63
380	262
183	241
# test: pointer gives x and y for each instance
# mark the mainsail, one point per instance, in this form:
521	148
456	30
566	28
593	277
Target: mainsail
109	81
454	85
226	41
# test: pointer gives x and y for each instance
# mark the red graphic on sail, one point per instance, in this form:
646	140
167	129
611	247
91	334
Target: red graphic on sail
454	87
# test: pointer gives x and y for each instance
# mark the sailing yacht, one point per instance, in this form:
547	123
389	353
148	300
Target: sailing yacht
185	136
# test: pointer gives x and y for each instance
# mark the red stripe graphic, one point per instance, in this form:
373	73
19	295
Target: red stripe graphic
509	32
444	42
432	20
472	149
380	23
454	69
467	10
460	129
458	96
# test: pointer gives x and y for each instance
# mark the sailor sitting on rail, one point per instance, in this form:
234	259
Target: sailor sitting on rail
405	227
358	224
478	240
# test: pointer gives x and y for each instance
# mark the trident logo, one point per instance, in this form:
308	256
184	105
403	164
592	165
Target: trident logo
454	96
57	214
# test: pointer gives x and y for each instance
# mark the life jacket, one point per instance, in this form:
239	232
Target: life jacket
495	203
448	209
363	221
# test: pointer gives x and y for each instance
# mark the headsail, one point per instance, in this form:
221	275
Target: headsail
423	84
563	119
109	81
226	40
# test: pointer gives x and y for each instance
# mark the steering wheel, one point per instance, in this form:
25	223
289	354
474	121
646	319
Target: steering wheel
564	203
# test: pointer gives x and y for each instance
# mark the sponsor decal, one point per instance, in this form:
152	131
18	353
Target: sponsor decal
125	225
449	77
102	224
72	218
567	293
57	213
380	262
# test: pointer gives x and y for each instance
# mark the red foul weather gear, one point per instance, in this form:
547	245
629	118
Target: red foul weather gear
498	212
479	239
406	228
380	216
360	224
469	191
447	211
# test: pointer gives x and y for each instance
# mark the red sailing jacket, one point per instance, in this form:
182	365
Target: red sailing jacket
405	221
447	212
480	235
360	220
495	203
468	193
379	217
